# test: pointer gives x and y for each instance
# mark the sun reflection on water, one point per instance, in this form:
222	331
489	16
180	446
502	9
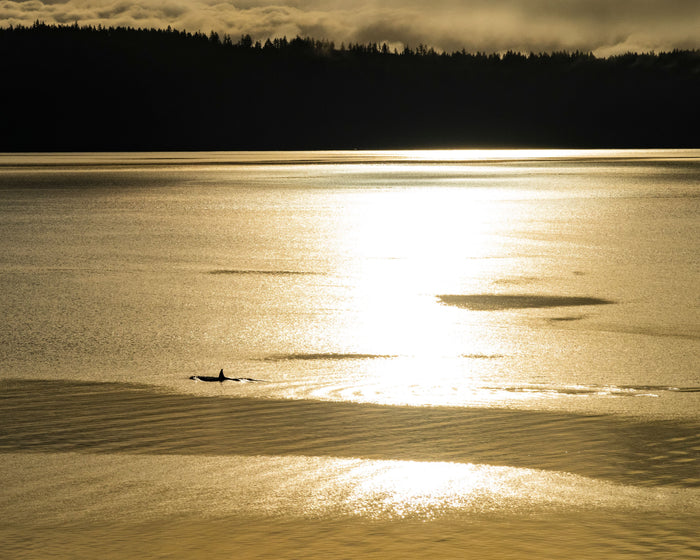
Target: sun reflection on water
405	247
401	249
429	490
422	489
307	487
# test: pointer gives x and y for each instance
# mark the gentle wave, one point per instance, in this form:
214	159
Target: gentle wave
59	416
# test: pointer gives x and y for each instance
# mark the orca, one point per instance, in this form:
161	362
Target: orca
221	378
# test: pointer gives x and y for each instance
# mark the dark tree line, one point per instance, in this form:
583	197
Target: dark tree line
98	88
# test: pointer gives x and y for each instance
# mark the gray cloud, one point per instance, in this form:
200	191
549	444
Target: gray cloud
603	26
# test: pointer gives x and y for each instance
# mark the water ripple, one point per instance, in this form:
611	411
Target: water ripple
56	416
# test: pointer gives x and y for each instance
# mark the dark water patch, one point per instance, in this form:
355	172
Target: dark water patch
326	356
567	319
680	332
264	272
497	302
60	416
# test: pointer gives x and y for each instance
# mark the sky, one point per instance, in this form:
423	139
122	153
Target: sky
604	27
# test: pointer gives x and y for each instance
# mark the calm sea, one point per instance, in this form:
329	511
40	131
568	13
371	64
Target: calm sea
451	352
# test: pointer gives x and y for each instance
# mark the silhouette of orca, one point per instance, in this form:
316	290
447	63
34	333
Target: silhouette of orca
221	378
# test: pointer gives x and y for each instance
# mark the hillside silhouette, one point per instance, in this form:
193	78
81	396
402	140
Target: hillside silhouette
87	88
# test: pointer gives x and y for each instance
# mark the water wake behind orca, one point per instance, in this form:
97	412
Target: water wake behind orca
221	378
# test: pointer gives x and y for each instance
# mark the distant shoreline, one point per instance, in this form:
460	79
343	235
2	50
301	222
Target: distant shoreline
77	88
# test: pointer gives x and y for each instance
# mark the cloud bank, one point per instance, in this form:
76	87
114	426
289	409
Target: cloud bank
602	26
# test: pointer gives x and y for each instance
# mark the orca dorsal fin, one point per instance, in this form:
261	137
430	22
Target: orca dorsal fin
221	375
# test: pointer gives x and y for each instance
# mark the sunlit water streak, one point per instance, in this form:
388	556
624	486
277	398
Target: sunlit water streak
304	487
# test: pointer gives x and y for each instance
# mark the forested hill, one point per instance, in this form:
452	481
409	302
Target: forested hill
82	88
